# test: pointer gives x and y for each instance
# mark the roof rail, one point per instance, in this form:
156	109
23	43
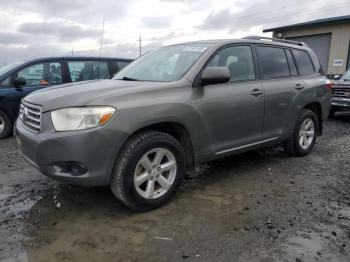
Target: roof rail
253	37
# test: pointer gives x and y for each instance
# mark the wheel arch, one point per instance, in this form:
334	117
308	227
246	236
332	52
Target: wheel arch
179	132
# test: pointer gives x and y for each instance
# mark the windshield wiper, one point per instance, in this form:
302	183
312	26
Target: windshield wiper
125	78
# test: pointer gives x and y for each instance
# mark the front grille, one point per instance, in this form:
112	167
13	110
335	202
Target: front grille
30	115
341	92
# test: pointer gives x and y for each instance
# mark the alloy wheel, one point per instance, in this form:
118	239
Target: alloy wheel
306	133
155	173
2	124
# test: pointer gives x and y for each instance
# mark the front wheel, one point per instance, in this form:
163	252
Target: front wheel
148	171
5	125
304	135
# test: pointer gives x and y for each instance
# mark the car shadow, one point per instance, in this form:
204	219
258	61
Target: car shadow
341	117
79	220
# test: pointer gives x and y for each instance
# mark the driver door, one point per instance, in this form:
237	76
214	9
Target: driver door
37	76
232	113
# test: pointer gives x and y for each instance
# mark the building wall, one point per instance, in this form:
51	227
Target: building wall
339	43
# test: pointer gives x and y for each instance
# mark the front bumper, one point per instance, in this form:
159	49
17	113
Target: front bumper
96	149
341	104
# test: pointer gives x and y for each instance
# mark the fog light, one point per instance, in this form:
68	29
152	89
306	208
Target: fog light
70	167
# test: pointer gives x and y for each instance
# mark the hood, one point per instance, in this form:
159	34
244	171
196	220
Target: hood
84	93
342	83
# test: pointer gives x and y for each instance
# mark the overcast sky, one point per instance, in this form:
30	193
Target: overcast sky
33	28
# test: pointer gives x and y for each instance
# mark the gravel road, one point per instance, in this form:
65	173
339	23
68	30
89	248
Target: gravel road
259	206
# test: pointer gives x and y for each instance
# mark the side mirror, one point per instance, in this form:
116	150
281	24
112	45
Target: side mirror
19	81
215	75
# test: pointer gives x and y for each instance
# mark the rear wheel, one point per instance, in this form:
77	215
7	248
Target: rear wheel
149	170
5	125
304	135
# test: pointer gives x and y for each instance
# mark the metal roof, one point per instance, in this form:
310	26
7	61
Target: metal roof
318	22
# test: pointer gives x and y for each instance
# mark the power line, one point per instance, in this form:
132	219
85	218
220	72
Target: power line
266	13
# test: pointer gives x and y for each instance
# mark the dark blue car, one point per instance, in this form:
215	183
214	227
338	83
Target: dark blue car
19	79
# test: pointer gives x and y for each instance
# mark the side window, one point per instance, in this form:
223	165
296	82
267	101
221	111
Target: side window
122	64
88	70
273	61
41	74
292	67
6	82
238	59
304	63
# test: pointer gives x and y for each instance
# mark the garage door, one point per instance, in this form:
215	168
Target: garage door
320	44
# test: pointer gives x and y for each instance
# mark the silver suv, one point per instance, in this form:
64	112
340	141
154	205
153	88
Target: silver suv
174	108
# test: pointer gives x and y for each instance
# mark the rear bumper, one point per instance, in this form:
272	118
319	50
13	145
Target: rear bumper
96	149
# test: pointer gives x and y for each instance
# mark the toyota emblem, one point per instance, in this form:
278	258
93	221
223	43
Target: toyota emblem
25	114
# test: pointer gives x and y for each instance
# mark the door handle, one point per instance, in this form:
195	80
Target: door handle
257	92
299	87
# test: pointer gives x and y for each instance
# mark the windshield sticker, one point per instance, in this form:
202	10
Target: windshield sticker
194	49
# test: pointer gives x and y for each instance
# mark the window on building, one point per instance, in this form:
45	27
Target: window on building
304	63
88	70
292	67
238	59
273	61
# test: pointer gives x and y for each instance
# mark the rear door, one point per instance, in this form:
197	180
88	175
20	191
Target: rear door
37	75
87	69
281	84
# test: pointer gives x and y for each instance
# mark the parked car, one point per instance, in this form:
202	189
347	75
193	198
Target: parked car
341	94
174	108
19	79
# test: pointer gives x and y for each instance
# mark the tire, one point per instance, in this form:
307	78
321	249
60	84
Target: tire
293	147
129	167
331	113
5	125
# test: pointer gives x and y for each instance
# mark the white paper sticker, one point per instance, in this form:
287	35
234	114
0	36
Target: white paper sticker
194	49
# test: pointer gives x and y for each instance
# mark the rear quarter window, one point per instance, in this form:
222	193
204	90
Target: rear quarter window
304	62
292	67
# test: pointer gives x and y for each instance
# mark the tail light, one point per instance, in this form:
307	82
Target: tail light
329	85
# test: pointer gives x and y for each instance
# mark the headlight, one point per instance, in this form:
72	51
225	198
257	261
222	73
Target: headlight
77	118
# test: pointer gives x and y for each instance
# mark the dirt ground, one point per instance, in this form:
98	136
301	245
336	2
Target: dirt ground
259	206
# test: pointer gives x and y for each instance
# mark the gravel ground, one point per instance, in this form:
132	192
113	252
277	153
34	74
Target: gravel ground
259	206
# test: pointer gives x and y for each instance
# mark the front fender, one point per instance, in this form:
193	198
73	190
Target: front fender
130	120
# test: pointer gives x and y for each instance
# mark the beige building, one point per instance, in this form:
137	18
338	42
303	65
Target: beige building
329	38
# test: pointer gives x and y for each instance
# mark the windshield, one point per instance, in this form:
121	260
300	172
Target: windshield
5	69
346	76
166	64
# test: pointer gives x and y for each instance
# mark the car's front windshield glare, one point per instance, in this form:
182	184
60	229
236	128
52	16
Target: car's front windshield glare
166	64
346	76
5	69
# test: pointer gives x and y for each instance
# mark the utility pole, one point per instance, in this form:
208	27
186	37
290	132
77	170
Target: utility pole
103	29
72	52
140	45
